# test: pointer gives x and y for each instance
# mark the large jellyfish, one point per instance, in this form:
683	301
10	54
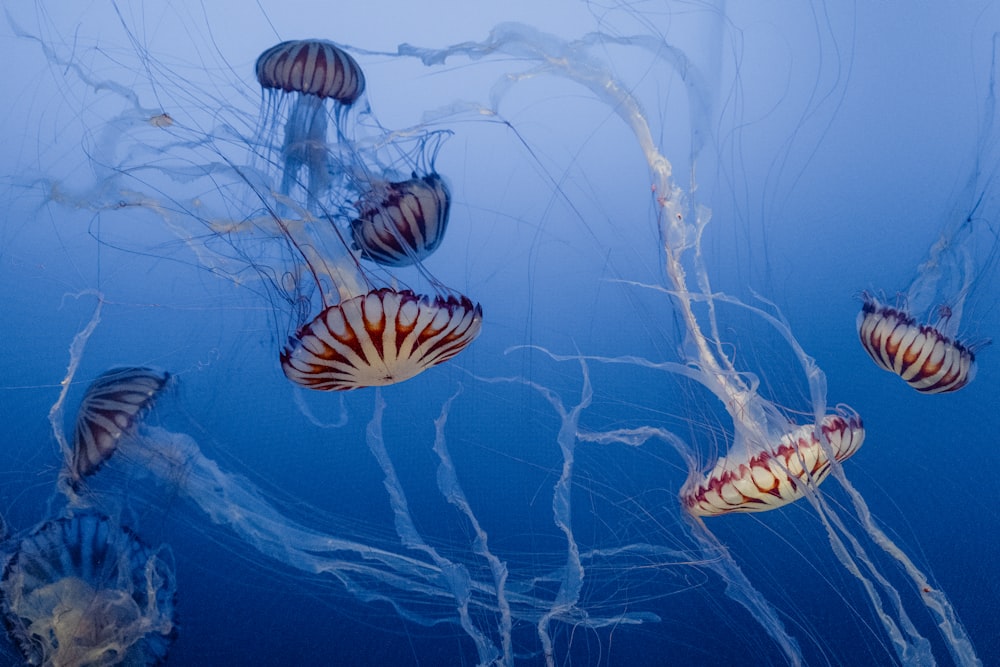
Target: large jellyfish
83	590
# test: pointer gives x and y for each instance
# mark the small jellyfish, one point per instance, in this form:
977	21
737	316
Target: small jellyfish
111	408
771	478
313	71
403	222
85	591
922	354
379	338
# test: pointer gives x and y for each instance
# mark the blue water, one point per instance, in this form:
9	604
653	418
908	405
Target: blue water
833	148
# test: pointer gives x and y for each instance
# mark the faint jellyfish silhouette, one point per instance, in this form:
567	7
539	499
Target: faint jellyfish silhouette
83	591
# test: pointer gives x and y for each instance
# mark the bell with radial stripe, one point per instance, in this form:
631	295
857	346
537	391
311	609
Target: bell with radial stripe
111	408
928	360
402	223
774	476
379	338
311	67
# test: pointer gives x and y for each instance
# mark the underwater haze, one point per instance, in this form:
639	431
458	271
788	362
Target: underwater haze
648	431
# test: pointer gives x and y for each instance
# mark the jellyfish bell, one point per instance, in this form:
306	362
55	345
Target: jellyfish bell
400	223
111	409
379	338
774	476
923	355
311	67
83	590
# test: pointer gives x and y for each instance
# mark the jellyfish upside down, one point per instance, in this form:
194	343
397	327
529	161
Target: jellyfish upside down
83	591
921	354
770	477
379	338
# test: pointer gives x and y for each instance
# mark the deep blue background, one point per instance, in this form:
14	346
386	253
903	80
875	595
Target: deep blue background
839	144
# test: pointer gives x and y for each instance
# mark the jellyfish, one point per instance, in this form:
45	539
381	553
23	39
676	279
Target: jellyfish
775	476
111	408
382	337
919	338
82	590
403	222
762	429
313	71
363	336
923	355
575	489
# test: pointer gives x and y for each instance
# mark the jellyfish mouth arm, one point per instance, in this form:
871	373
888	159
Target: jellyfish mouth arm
234	501
455	576
341	270
571	576
451	489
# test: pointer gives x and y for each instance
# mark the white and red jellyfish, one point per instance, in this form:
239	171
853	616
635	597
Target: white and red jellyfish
920	338
83	590
926	356
770	477
744	479
382	337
